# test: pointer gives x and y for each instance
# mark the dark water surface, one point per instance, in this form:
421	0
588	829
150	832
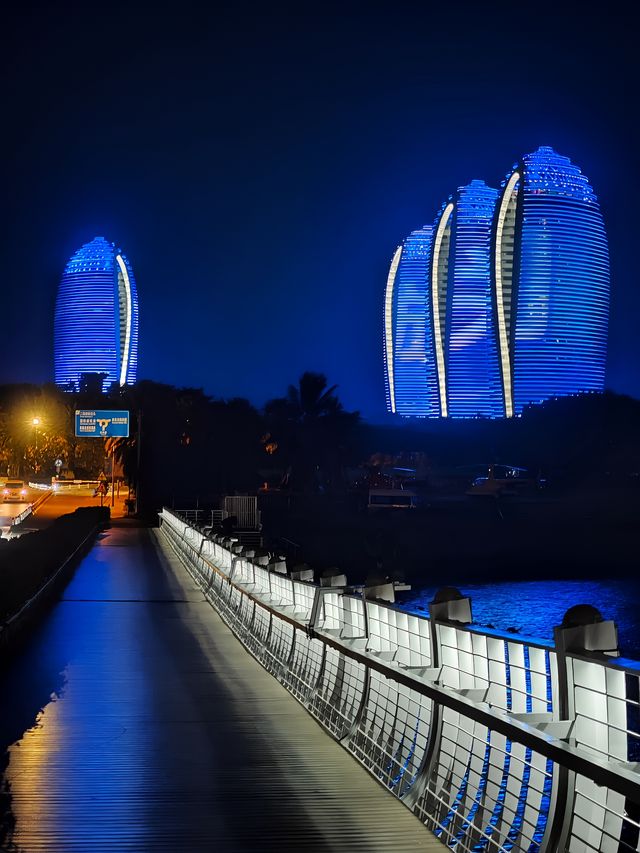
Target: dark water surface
535	607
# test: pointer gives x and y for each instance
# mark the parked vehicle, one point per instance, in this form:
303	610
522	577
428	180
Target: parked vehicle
503	480
391	499
14	491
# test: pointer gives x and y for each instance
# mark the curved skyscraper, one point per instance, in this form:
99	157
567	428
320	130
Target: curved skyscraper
551	270
96	317
510	306
411	380
438	298
473	375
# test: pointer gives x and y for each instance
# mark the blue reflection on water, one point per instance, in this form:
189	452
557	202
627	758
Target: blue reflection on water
535	607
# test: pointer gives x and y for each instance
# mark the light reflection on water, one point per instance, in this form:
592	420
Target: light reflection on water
535	607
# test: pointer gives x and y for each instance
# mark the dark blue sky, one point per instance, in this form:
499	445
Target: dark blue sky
259	165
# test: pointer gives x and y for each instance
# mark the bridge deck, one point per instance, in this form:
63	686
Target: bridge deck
136	721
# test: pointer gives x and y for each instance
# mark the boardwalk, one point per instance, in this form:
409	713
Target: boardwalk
136	721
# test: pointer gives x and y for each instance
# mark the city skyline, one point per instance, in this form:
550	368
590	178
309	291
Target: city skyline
260	169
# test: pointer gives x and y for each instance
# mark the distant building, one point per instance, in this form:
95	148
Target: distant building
511	306
96	317
411	383
473	374
551	282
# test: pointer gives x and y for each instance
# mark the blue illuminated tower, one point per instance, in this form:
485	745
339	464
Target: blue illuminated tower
96	317
410	372
438	297
504	301
473	375
551	282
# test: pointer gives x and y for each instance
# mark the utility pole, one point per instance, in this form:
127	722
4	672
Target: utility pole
113	494
138	459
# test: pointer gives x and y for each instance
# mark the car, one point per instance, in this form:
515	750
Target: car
503	480
391	499
14	490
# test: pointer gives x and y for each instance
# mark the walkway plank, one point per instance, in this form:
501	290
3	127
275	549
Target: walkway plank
162	733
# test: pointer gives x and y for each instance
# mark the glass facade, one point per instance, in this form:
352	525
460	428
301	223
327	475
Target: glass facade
439	292
96	317
473	386
562	300
411	380
512	305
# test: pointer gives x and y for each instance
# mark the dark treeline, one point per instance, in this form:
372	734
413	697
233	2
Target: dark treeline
185	445
579	438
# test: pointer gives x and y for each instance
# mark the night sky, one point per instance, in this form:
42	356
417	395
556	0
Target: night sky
259	165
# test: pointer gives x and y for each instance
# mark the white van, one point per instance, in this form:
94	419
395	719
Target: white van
14	490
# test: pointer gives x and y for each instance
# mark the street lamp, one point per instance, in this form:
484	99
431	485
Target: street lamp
35	423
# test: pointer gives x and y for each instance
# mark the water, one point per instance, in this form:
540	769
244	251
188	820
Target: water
535	607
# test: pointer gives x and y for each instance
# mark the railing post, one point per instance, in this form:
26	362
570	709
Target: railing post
583	630
364	698
448	605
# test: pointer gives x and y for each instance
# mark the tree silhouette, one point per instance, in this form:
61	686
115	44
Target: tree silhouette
312	428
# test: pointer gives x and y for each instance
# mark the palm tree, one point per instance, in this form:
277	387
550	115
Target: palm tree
124	452
312	427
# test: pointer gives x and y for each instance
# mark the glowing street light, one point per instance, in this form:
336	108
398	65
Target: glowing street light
35	422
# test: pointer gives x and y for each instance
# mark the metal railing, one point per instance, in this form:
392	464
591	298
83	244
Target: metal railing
245	509
201	517
496	742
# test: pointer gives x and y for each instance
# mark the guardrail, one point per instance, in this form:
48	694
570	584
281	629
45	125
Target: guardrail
62	484
29	509
18	519
496	742
201	517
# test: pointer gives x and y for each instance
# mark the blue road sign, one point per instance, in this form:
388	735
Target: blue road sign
102	423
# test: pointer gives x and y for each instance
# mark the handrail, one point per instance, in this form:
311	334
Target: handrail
482	701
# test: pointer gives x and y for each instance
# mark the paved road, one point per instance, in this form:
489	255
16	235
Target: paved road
58	505
9	510
52	508
135	721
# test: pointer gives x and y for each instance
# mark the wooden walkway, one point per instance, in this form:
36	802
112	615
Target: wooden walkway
135	721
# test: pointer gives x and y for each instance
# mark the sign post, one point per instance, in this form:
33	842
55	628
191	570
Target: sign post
103	423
